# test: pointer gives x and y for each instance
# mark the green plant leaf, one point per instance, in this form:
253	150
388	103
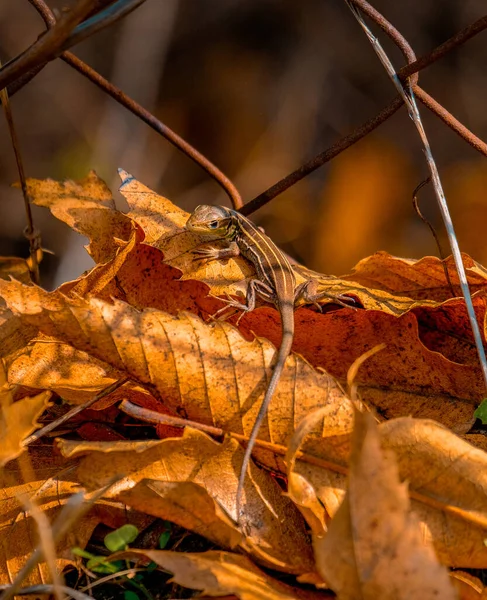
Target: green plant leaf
83	553
99	564
481	411
119	539
165	535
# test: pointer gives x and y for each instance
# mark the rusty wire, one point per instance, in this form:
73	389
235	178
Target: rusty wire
135	108
410	70
22	69
30	232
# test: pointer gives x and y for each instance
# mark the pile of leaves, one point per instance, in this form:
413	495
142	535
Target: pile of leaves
380	499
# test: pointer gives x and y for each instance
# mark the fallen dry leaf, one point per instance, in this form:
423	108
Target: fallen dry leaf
418	279
16	268
87	207
446	478
18	419
208	373
274	530
375	548
219	573
467	586
48	480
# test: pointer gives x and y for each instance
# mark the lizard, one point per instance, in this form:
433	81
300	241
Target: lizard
275	283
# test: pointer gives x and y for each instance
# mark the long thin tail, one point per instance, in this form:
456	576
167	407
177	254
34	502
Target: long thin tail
287	319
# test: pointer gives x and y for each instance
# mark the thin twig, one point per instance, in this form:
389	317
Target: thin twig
432	229
409	99
75	507
112	576
447	118
151	416
30	232
48	588
74	411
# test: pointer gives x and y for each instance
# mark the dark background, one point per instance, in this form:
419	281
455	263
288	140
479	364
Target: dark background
259	86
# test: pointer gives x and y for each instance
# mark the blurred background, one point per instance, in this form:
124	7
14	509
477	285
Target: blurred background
259	87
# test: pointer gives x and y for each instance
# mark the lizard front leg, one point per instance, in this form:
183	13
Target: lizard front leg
231	251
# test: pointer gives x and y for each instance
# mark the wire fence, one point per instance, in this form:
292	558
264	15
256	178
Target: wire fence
88	17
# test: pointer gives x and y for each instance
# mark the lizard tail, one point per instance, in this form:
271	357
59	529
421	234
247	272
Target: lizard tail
282	354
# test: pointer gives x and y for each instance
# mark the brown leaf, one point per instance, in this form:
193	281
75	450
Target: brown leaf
375	547
87	207
16	268
274	530
218	573
422	279
301	492
207	373
51	365
96	280
447	484
17	419
48	480
467	586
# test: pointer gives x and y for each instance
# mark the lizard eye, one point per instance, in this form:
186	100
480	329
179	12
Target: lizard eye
213	225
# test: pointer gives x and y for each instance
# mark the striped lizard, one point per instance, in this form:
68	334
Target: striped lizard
275	283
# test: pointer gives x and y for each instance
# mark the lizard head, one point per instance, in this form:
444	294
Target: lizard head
212	222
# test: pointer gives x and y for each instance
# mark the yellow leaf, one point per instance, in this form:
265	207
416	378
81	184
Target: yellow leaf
18	420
